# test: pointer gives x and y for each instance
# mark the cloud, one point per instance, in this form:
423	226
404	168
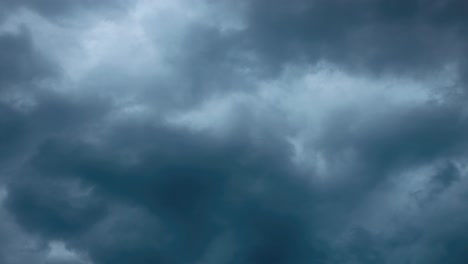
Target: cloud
54	9
405	37
249	132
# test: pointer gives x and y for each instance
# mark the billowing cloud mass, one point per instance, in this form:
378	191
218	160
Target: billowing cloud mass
233	132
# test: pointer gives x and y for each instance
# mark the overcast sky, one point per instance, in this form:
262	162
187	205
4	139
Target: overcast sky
233	131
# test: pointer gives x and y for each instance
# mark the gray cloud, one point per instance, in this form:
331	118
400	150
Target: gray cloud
20	63
406	37
53	9
298	132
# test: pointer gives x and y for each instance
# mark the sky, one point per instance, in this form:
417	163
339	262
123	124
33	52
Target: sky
233	131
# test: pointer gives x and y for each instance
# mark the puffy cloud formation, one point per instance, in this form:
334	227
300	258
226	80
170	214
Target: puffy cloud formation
228	132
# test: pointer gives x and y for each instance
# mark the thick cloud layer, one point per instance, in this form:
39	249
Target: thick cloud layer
398	36
233	132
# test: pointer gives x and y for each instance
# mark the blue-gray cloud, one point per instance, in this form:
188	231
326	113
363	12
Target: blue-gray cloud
207	139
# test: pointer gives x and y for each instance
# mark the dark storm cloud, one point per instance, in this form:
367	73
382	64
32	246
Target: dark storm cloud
400	36
13	129
21	67
52	207
53	9
395	140
196	187
53	114
446	176
370	155
20	63
123	188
